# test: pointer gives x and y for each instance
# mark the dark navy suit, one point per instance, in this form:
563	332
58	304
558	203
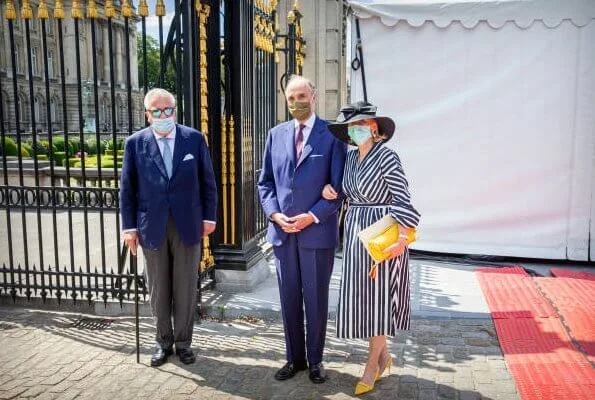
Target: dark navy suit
304	259
148	197
168	214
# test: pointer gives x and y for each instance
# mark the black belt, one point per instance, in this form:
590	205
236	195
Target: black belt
352	204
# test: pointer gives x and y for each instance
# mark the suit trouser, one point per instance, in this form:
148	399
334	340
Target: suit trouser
304	276
172	276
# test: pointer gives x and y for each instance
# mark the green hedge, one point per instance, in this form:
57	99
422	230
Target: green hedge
104	164
91	146
109	145
27	147
72	161
11	147
59	157
75	145
42	157
58	143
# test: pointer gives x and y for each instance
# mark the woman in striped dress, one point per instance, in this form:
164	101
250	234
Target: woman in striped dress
375	185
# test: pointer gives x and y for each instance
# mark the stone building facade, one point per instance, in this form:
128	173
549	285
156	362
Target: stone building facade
37	106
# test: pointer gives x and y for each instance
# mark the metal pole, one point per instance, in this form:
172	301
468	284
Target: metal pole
361	58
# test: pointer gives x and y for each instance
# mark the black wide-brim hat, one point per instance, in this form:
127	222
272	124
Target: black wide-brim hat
360	111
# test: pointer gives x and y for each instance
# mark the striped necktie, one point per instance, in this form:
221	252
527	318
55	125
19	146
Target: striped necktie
299	142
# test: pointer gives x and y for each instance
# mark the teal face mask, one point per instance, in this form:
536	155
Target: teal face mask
165	125
359	134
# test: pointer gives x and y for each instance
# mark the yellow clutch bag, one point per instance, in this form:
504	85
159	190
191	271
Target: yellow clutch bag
380	235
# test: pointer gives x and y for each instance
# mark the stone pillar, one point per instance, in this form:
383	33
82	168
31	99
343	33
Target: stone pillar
322	25
106	55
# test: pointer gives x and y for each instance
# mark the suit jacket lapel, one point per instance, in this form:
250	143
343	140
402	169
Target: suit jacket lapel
179	149
315	136
153	151
289	141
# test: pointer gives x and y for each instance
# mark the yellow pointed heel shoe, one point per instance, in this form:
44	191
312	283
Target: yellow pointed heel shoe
389	364
363	387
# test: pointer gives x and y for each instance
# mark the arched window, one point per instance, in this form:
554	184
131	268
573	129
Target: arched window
39	107
120	117
23	111
6	111
17	60
51	64
106	119
55	110
34	61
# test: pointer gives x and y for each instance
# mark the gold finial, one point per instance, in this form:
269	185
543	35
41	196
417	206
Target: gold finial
9	11
92	9
143	8
42	10
26	11
197	6
59	10
127	11
76	12
110	10
291	17
206	10
274	4
296	5
160	8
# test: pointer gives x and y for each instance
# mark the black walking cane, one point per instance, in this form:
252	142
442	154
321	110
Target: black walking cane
133	267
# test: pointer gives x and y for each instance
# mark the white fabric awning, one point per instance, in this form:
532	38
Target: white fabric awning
496	13
495	109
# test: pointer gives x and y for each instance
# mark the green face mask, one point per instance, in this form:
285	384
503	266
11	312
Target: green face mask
359	134
300	110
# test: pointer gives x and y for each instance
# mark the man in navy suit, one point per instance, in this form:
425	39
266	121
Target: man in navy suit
168	202
300	158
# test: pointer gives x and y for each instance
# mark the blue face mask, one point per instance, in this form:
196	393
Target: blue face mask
359	134
165	125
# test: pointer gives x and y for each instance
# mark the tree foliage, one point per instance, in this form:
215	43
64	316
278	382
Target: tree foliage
154	66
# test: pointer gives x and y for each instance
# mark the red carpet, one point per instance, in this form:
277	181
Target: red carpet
574	300
564	273
532	318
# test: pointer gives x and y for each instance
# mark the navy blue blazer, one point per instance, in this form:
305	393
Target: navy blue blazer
295	187
148	197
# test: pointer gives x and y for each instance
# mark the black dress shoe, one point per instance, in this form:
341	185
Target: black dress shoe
160	355
290	369
186	355
317	373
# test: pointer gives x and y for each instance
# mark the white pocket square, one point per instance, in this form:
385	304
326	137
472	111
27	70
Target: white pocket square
316	155
188	157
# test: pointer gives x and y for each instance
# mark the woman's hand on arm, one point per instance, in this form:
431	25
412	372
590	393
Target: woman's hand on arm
329	193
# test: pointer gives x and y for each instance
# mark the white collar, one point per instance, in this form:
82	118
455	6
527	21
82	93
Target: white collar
309	122
171	135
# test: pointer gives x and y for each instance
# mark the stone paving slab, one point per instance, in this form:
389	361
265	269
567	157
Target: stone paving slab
43	356
438	290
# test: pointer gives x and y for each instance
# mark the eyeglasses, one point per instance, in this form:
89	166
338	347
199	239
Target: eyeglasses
167	111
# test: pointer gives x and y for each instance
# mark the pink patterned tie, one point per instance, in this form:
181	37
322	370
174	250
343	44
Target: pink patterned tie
299	142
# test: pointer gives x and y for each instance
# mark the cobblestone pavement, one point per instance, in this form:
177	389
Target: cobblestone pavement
45	355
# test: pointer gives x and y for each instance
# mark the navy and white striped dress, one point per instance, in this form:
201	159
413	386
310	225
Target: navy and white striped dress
374	187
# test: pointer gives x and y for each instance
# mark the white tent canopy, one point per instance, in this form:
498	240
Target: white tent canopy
495	110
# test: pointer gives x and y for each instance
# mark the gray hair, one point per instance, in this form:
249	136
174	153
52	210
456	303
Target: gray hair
298	80
159	93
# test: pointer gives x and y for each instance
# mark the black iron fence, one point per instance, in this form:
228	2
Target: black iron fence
72	79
